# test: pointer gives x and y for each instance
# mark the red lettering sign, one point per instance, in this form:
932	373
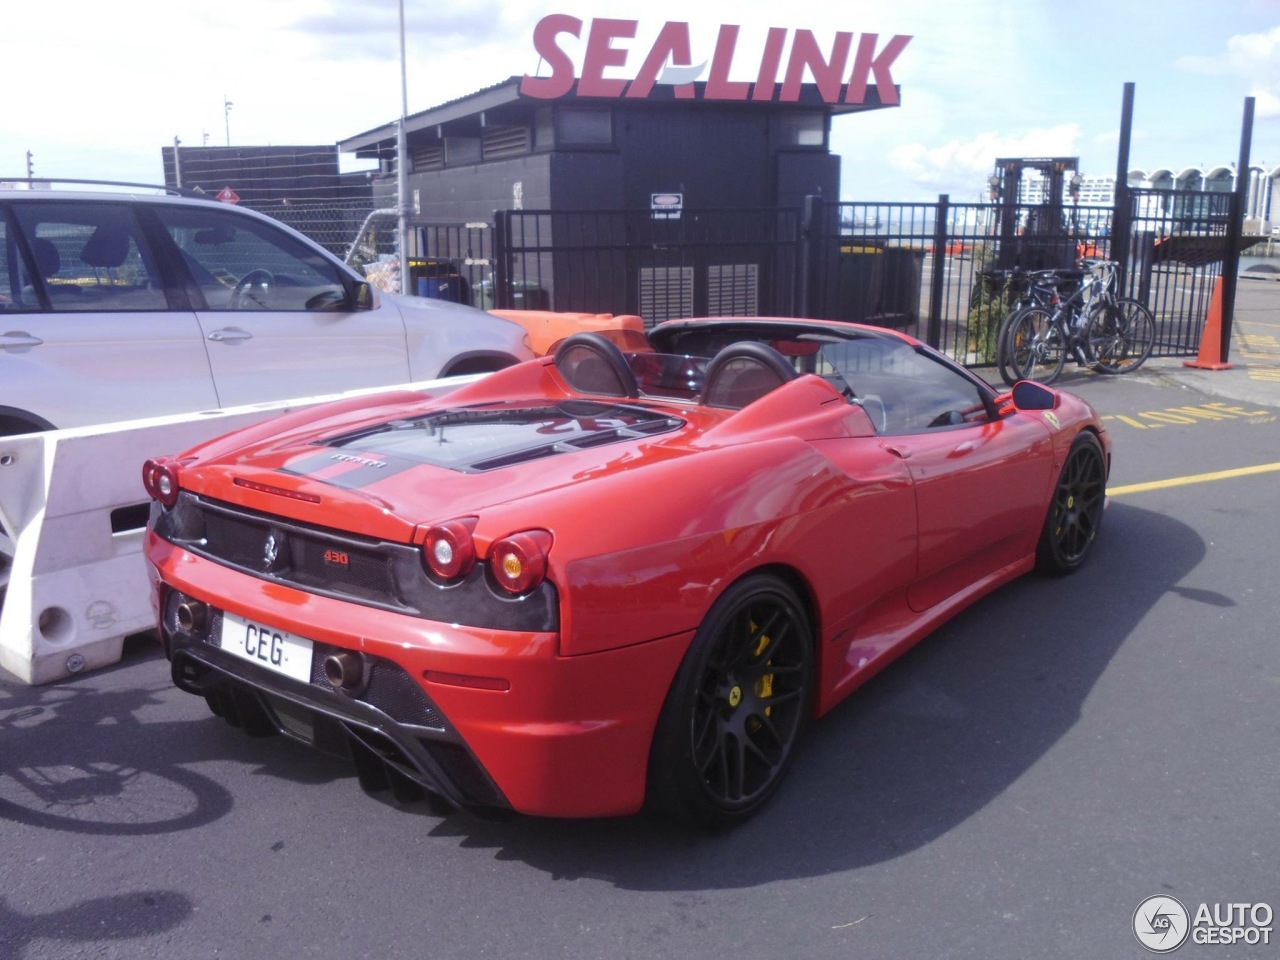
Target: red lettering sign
670	59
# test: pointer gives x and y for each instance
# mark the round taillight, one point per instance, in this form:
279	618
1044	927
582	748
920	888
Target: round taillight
160	478
519	561
449	552
149	477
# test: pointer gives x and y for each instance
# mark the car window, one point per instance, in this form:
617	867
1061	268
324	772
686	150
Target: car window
903	390
240	263
10	294
88	257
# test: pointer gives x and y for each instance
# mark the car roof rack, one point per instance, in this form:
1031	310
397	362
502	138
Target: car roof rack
29	183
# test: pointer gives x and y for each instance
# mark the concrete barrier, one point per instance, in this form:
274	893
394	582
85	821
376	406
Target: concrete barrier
72	517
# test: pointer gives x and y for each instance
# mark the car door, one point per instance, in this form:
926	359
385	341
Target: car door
276	314
92	329
981	481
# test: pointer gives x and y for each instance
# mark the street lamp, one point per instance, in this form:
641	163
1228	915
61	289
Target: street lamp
402	169
226	116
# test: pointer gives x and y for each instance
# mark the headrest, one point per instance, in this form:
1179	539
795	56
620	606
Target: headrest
591	363
108	247
742	373
48	262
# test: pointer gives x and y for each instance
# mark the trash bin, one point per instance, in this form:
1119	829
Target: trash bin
439	279
900	289
525	295
879	285
859	277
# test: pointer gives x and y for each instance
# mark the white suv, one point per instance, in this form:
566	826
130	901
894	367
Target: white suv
121	305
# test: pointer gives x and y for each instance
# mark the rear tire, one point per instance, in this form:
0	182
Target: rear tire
1075	512
1120	336
736	709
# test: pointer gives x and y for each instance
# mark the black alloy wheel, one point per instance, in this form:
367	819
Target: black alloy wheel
1075	513
737	707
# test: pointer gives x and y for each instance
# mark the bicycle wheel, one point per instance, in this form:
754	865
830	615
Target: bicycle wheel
1120	336
1004	354
1035	345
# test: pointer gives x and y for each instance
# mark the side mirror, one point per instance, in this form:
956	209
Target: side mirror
364	295
1029	395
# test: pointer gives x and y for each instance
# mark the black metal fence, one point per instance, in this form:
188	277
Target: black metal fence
943	272
739	262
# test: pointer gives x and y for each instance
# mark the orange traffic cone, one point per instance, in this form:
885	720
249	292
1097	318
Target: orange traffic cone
1210	356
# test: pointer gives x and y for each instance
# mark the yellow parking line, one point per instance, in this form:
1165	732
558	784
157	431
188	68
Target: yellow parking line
1195	478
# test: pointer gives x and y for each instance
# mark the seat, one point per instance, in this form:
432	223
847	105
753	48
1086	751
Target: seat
742	373
592	363
48	261
106	249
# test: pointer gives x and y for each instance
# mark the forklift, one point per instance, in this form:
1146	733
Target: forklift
1034	236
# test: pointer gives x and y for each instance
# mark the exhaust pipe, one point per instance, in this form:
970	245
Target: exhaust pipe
344	671
193	616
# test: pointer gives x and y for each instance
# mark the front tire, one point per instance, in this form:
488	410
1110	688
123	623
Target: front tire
1035	346
1075	513
737	707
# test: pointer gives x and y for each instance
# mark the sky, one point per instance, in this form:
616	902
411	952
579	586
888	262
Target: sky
96	89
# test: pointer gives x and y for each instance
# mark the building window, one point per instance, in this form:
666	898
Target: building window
585	127
428	158
804	130
500	142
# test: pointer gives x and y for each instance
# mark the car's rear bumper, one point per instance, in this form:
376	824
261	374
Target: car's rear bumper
538	734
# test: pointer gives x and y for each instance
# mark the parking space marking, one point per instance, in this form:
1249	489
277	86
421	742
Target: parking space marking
1194	478
1203	413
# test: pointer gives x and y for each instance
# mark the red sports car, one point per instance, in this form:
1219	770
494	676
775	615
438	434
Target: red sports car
600	579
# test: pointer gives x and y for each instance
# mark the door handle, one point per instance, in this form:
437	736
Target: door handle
230	335
902	453
19	338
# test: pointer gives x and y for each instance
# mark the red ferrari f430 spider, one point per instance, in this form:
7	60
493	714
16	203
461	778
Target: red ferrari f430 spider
604	579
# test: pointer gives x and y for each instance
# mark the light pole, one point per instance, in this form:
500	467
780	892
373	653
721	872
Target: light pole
226	116
402	170
177	164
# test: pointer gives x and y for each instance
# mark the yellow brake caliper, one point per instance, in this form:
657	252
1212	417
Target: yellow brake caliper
764	685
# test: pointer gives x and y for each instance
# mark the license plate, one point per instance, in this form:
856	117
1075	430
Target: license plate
267	647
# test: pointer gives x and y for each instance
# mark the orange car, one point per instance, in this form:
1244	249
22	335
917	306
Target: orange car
546	328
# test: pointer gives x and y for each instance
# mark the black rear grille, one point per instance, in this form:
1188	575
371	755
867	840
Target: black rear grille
347	566
303	556
390	688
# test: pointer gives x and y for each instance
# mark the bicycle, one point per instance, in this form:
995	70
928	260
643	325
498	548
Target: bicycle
1034	288
1093	326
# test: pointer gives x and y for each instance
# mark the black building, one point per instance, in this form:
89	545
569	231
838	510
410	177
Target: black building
500	149
664	205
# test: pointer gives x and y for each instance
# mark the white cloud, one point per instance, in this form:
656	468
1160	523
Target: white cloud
962	166
1255	57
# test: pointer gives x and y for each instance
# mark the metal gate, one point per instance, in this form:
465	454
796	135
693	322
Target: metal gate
657	264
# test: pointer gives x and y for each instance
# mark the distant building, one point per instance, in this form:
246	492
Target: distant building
262	176
1262	209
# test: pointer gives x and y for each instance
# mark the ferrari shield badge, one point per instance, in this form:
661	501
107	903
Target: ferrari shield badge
1052	419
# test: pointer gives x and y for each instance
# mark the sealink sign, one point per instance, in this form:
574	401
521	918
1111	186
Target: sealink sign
844	73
